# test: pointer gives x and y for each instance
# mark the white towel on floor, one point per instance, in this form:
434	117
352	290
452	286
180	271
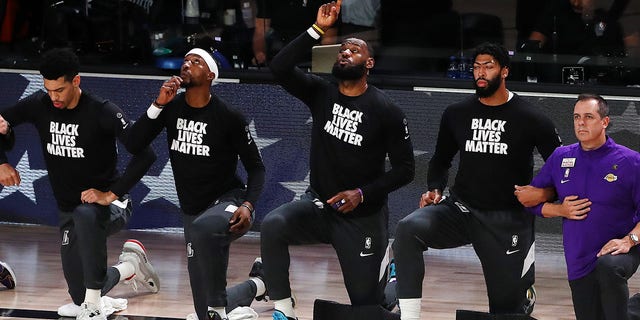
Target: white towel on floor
242	313
111	305
239	313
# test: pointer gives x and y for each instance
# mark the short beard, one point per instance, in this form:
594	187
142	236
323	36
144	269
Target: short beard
490	89
348	72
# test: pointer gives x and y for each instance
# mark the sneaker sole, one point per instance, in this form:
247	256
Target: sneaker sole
153	281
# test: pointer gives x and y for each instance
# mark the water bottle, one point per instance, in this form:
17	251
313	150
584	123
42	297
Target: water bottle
237	62
466	68
192	12
247	14
453	71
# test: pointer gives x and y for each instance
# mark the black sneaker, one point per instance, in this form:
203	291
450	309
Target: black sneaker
257	272
212	315
7	277
531	300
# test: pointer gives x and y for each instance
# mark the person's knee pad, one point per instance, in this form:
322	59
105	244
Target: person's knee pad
331	310
477	315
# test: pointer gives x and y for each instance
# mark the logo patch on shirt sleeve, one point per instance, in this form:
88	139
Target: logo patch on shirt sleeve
568	162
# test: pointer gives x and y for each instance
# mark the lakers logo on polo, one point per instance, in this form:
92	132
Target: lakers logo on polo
610	177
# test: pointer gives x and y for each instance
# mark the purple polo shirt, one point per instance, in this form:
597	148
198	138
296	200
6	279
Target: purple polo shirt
610	178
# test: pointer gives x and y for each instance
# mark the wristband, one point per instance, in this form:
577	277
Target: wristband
361	195
154	110
247	206
314	33
318	29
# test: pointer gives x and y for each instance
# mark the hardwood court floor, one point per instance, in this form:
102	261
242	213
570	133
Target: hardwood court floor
453	277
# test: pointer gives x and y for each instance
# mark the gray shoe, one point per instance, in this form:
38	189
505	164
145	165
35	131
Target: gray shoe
134	252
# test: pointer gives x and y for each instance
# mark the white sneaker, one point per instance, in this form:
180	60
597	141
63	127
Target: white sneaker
70	310
239	313
109	306
89	311
192	316
134	252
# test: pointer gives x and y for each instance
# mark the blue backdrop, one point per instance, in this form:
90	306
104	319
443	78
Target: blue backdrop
280	125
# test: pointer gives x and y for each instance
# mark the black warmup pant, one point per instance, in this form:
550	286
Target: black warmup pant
83	250
360	242
208	239
603	294
502	239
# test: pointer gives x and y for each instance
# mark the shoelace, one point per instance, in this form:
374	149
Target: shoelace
131	281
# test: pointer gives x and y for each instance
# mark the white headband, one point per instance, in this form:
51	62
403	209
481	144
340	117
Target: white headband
206	56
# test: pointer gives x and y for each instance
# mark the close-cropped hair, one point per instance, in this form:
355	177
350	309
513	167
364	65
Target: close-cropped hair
603	106
364	42
495	50
59	62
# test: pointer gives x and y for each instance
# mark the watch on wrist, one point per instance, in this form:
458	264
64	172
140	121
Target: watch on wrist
634	238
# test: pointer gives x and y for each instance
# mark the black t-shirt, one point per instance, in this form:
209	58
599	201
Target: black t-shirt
79	145
204	147
351	136
496	145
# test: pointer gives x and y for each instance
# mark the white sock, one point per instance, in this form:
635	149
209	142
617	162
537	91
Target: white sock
285	306
410	309
92	296
260	287
221	312
126	270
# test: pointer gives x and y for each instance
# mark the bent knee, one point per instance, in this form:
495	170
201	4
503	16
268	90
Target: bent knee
608	267
273	222
208	226
85	213
407	228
